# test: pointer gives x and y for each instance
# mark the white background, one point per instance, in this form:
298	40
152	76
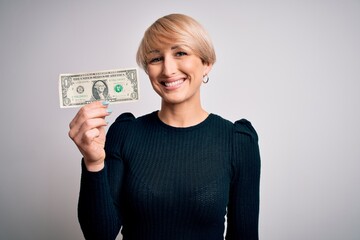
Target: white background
290	67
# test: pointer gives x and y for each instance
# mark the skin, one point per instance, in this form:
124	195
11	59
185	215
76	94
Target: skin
87	130
176	74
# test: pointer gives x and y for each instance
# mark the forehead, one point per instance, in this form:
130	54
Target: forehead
99	83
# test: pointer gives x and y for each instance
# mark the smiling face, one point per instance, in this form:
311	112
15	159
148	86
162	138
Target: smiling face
176	29
176	52
176	73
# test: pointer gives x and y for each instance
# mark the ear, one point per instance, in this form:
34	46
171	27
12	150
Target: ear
207	68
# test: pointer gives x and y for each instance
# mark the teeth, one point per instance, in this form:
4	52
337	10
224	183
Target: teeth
171	84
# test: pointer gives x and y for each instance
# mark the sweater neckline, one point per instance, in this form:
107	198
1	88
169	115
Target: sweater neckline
181	129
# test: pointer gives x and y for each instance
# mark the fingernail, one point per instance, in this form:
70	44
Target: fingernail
105	103
108	110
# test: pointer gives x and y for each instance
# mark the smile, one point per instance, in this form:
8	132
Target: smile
173	84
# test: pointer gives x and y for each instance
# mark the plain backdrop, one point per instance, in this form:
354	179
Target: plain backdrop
290	67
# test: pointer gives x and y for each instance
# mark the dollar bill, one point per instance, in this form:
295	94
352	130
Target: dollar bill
118	85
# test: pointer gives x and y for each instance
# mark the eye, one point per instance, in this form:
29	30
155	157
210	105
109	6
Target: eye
155	60
179	54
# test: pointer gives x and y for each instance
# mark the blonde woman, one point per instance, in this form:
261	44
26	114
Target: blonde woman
174	173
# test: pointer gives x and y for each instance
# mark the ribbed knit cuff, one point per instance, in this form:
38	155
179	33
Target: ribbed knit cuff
92	175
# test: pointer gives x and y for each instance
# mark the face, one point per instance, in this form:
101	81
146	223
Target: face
176	74
100	87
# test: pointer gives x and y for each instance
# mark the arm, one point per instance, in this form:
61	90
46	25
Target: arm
243	208
99	198
98	207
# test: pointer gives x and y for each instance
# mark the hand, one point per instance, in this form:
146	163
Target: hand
87	130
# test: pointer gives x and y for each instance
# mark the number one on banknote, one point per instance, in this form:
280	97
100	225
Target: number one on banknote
115	86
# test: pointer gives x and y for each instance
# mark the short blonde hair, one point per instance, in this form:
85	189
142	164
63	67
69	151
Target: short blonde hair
179	29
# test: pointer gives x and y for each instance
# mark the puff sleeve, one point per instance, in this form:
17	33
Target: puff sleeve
243	207
99	208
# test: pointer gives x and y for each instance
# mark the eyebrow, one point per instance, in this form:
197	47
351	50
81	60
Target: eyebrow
172	48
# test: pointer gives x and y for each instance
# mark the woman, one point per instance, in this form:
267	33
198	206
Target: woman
174	173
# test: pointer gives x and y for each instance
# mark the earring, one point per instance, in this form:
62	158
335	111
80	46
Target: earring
205	79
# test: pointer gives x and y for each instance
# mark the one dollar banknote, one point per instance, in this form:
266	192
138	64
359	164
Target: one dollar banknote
114	86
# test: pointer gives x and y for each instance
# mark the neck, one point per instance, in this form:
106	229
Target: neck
181	115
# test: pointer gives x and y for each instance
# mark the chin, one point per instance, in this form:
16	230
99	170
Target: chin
175	100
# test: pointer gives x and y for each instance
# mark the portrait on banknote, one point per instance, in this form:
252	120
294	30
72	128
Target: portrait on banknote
100	90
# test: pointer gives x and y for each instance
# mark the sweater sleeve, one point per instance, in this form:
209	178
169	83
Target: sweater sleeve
243	207
99	208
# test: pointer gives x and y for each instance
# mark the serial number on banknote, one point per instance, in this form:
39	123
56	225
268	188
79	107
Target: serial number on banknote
115	86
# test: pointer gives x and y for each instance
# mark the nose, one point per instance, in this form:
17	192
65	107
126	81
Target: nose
169	66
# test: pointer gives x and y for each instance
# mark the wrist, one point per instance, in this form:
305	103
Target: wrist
94	167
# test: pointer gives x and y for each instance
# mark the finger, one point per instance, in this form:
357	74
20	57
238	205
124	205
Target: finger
76	132
88	112
92	110
89	109
90	135
92	144
87	125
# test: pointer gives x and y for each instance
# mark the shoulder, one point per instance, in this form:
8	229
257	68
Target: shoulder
127	120
119	127
224	123
125	117
244	129
124	124
241	128
123	120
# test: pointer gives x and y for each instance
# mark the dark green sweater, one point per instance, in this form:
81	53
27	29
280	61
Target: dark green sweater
167	183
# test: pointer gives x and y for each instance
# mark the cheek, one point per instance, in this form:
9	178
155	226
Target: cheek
153	81
152	73
151	78
188	66
196	67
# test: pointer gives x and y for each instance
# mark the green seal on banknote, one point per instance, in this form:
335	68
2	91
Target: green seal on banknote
118	88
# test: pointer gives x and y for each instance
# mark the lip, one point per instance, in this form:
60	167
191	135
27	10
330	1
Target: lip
172	84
